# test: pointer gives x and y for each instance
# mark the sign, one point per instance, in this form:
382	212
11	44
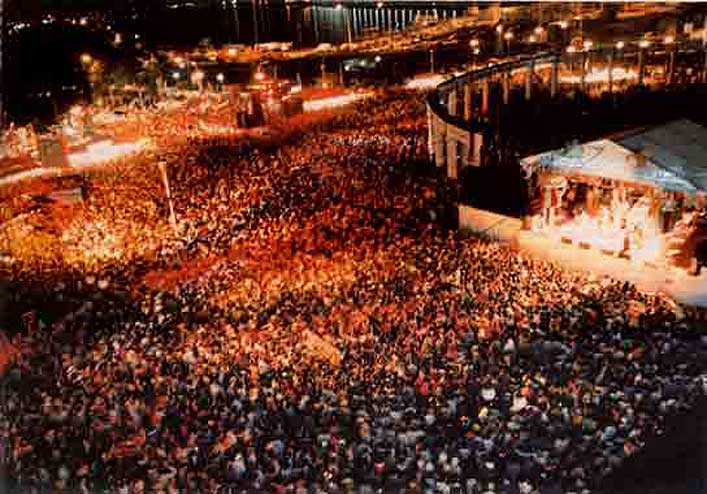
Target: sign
51	153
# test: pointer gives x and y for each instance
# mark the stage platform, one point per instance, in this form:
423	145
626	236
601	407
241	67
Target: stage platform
650	277
690	290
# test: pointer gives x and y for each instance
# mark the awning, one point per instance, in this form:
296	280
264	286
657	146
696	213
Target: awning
606	159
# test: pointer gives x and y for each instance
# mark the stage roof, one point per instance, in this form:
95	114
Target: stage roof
679	146
607	159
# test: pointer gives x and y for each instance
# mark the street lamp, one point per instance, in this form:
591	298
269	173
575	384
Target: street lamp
669	40
86	58
644	43
508	37
564	24
220	78
475	50
620	45
379	5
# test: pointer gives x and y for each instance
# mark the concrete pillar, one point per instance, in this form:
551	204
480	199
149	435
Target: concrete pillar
452	102
704	49
529	81
611	72
468	95
485	89
430	134
452	159
440	148
641	63
671	66
506	87
554	76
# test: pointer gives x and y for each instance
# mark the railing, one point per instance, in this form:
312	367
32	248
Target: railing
643	58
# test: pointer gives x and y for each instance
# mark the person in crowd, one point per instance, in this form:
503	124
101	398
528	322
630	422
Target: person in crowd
313	329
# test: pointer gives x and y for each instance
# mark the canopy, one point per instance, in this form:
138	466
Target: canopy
606	159
679	146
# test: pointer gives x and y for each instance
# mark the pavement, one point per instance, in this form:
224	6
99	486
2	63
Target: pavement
686	289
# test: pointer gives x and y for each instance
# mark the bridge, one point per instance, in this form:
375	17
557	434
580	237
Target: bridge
463	111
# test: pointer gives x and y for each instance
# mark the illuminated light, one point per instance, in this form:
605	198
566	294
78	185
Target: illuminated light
259	76
532	39
176	76
83	21
571	49
339	6
564	24
644	43
379	5
508	36
601	75
476	51
378	58
499	28
232	52
588	44
539	30
104	151
620	45
86	58
668	40
334	101
425	82
118	38
474	43
220	78
178	60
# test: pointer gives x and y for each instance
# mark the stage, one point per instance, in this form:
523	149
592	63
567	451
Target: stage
686	289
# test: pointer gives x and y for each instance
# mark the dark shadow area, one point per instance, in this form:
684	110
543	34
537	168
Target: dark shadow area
675	463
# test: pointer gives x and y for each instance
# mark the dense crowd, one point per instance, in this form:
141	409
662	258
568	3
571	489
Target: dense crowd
313	329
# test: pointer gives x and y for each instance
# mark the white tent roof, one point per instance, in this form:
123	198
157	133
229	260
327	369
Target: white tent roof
606	159
679	146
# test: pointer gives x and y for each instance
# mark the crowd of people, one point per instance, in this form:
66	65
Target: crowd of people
312	328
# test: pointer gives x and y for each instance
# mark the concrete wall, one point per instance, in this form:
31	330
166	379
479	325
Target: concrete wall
452	146
494	226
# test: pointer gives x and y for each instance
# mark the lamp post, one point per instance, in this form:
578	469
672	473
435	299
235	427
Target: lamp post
564	25
475	50
432	60
670	46
508	37
642	45
499	41
168	192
